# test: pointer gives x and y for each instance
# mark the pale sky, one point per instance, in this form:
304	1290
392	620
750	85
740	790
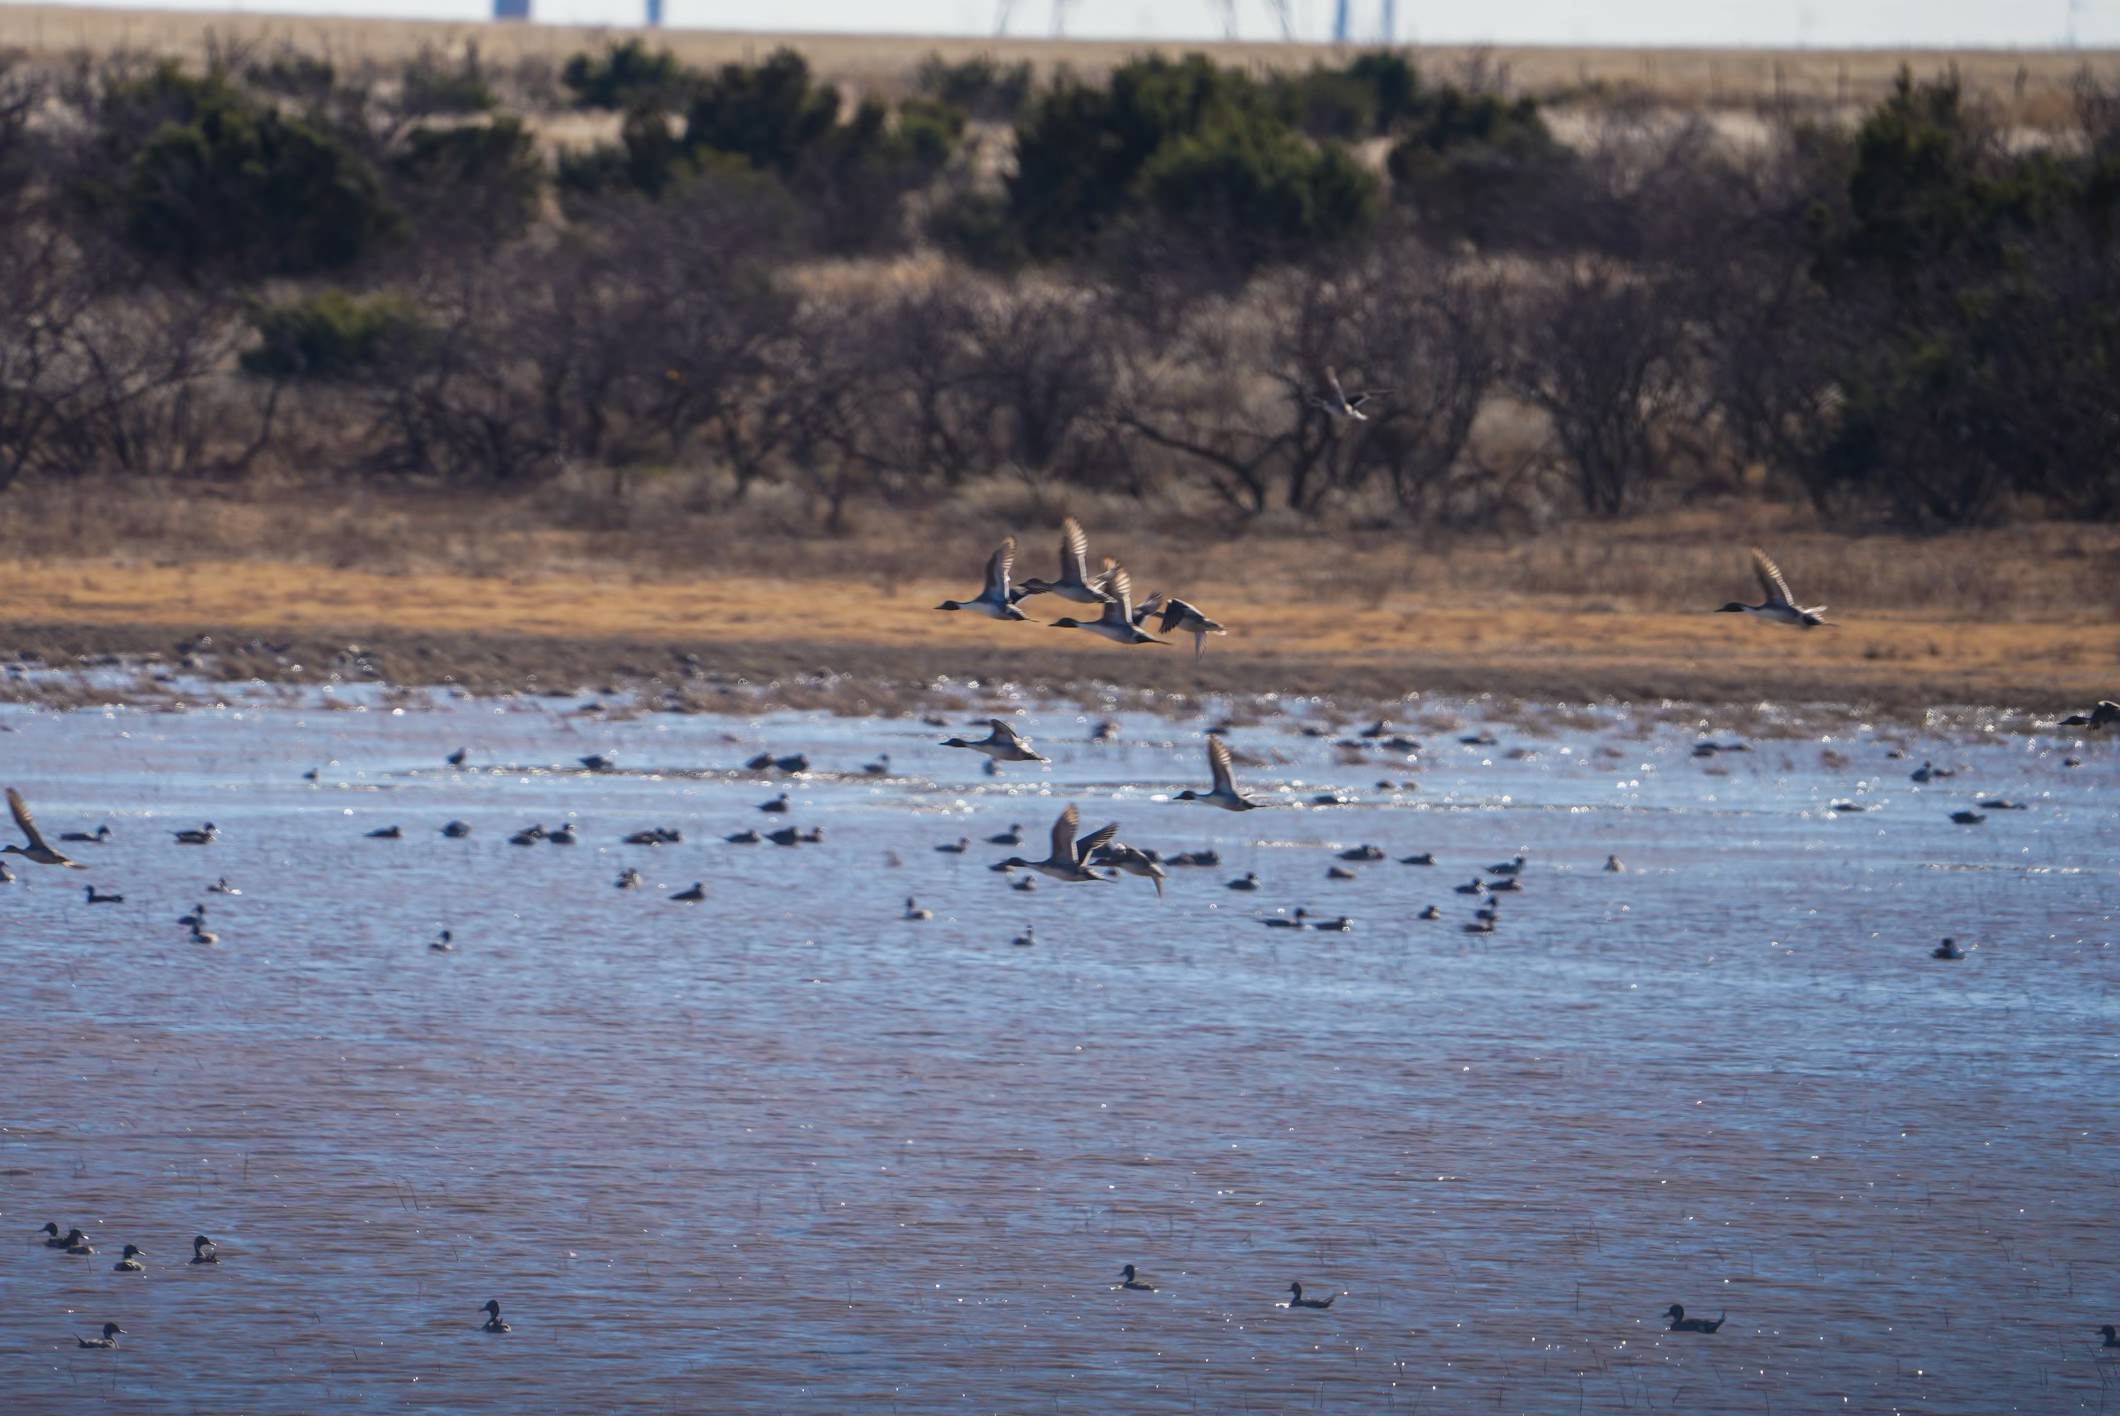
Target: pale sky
1779	23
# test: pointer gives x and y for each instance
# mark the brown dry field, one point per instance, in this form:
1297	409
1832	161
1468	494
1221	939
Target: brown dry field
499	595
2033	82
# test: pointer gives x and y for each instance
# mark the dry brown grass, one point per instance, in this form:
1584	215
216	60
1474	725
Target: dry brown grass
2018	616
2032	83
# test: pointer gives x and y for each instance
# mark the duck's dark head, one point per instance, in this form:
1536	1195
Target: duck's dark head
75	1236
949	605
2109	1333
51	1229
111	1329
1127	1273
1733	608
955	742
200	1241
1675	1312
492	1308
1188	795
1295	1290
1067	622
1014	863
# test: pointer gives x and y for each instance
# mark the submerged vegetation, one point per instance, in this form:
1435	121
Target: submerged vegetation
1131	283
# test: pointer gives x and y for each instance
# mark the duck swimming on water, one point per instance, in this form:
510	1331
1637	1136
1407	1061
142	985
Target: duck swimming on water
130	1263
108	1340
1297	1300
204	1250
494	1321
1129	1278
96	899
1681	1323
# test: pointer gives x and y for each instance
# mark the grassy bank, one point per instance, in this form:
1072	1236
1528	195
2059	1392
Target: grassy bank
570	589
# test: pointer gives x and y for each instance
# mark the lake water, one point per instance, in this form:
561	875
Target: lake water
784	1151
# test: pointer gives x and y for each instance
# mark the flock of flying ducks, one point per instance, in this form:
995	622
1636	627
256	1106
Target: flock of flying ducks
1070	858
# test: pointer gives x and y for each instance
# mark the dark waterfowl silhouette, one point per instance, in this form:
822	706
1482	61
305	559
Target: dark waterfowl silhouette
692	896
94	838
1297	1300
1001	744
1948	949
1065	860
109	1338
1129	1278
96	899
494	1321
204	1250
1224	793
1681	1323
130	1261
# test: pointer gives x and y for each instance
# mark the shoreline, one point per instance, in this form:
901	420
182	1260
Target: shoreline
744	643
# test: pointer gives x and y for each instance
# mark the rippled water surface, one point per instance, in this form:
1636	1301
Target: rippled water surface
784	1151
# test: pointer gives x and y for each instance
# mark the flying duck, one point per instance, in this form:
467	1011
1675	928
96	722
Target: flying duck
1067	856
1186	618
204	1250
1119	856
96	899
1117	621
1334	402
994	601
1297	1300
36	852
1128	1278
1002	744
494	1321
109	1338
1777	605
204	836
1225	793
1681	1323
1074	582
130	1263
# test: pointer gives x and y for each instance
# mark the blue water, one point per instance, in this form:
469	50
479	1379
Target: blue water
784	1151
